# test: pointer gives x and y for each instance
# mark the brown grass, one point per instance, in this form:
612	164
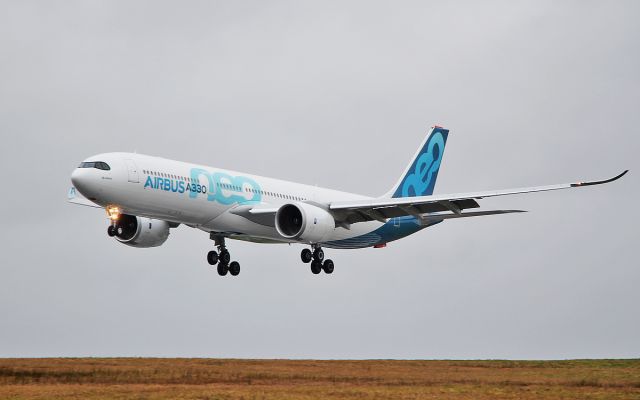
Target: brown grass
144	378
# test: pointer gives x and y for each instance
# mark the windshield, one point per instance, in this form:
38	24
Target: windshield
95	164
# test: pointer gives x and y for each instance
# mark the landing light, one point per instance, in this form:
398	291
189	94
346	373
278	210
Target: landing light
113	212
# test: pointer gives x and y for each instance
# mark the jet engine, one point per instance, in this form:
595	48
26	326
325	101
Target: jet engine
139	231
301	221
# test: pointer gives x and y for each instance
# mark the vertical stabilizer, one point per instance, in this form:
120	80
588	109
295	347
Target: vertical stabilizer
419	178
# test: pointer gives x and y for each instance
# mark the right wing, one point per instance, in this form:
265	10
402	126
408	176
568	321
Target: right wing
381	209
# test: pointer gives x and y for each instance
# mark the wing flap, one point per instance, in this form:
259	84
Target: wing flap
432	218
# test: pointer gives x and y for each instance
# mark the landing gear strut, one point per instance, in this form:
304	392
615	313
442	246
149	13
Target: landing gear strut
316	258
222	258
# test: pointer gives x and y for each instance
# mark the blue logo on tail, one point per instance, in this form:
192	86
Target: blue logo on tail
420	179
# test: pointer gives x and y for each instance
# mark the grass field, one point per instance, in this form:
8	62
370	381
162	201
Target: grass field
144	378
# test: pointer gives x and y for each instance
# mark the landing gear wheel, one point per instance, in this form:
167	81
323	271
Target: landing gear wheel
212	257
318	254
306	256
234	268
225	257
223	269
316	267
111	231
327	266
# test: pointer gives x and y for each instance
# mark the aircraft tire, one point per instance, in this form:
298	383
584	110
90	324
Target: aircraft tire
234	268
225	257
212	257
318	254
328	266
306	256
223	269
316	267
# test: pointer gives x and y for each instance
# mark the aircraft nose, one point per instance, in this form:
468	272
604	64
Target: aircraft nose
79	178
84	181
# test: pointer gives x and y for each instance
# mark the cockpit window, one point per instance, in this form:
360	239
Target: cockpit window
95	164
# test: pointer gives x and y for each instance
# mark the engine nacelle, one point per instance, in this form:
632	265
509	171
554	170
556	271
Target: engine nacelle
301	221
141	232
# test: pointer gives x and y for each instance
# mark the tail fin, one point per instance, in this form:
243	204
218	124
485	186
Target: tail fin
419	178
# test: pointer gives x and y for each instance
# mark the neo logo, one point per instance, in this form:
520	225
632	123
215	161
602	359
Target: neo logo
227	189
422	180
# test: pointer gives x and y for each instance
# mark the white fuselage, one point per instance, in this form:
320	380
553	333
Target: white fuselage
203	197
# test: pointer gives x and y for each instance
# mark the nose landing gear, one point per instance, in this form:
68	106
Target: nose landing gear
316	258
113	212
222	258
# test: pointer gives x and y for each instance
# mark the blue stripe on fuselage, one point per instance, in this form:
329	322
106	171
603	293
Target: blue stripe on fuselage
393	229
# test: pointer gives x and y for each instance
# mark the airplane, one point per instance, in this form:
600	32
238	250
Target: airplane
145	197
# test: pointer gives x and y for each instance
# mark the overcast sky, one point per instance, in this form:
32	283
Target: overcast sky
337	94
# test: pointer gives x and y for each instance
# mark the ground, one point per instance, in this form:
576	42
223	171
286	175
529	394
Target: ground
155	378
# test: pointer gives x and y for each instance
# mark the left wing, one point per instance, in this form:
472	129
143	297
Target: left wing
381	209
75	197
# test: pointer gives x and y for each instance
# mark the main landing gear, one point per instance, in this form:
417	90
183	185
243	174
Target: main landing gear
316	258
222	258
